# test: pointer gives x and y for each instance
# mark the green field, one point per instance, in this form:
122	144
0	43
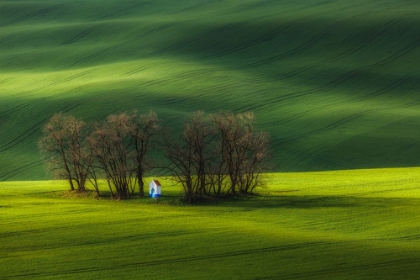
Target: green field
336	83
360	224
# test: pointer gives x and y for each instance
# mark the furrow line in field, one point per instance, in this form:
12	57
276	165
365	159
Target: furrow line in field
196	6
176	260
345	120
109	240
32	15
153	31
323	88
409	104
185	43
394	85
240	253
10	59
253	5
192	74
310	156
293	73
19	139
342	79
136	71
369	38
399	53
281	98
3	40
17	171
20	107
114	13
79	75
172	47
337	123
303	7
331	84
344	8
72	77
263	38
81	35
217	90
359	5
299	49
329	272
217	30
325	128
299	115
408	237
366	193
5	80
154	82
253	106
91	56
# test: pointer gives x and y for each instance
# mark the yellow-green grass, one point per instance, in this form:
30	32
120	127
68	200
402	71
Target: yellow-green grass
359	224
336	83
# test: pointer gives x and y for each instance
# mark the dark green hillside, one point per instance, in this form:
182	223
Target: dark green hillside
336	83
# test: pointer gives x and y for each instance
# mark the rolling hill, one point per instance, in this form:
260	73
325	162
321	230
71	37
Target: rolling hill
335	83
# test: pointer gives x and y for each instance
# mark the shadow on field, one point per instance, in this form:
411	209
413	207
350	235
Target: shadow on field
314	201
295	201
253	202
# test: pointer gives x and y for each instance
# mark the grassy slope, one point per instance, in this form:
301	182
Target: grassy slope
334	82
361	224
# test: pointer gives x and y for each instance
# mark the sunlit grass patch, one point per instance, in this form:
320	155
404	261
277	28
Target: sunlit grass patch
343	224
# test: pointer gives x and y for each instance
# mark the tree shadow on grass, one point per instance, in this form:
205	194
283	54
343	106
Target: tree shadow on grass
253	202
316	201
296	201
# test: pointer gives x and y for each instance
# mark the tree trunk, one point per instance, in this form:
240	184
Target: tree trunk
141	185
71	184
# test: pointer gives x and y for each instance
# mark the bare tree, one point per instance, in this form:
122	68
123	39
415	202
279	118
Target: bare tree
191	155
64	147
254	163
179	155
242	151
143	129
199	133
110	142
217	154
232	131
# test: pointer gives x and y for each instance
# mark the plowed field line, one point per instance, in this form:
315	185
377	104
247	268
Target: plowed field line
32	15
19	139
263	38
325	128
327	273
81	35
19	107
177	260
299	49
17	171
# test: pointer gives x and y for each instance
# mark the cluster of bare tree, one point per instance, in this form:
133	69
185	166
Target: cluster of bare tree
218	153
213	154
115	149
